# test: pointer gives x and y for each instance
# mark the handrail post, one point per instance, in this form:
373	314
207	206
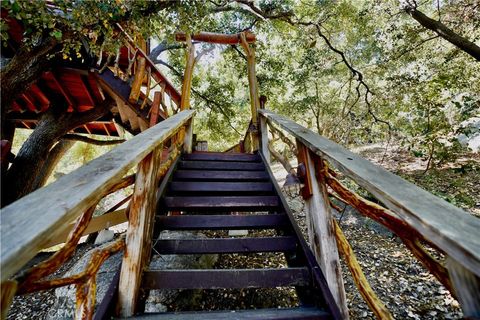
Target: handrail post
320	225
188	140
253	85
264	132
139	232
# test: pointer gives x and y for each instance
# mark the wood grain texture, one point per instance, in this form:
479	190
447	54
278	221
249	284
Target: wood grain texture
448	227
467	288
322	235
139	233
219	38
31	222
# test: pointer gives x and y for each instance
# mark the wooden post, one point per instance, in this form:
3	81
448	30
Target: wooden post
264	132
187	77
137	80
7	292
139	232
188	140
252	82
467	288
320	226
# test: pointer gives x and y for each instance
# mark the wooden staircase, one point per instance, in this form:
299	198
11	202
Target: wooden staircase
203	190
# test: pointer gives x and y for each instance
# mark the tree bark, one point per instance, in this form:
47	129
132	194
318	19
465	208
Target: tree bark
34	152
446	33
54	156
26	66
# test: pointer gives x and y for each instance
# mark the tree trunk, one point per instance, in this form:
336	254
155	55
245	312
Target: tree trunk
54	156
27	65
443	31
33	154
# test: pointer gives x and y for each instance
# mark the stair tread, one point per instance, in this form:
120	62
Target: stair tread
215	222
258	314
221	165
226	278
229	203
226	245
220	156
209	186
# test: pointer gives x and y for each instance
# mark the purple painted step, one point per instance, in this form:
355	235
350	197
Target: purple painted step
219	156
246	203
209	186
224	278
221	165
220	175
226	245
218	222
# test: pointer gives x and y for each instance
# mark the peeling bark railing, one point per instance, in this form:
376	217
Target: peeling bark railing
32	222
417	217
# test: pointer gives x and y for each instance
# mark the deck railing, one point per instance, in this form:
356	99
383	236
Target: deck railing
40	218
416	216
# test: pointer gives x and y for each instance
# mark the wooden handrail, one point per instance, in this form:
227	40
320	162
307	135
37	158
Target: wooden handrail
31	222
446	226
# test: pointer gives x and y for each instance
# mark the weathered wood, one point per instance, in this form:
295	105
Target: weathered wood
96	224
139	232
188	140
322	235
155	109
247	203
137	80
264	140
220	156
221	278
187	76
221	222
449	228
31	222
220	165
213	175
467	288
374	303
220	187
253	86
7	292
216	37
257	314
226	245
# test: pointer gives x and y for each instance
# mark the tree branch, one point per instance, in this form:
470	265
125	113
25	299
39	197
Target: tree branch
443	31
77	137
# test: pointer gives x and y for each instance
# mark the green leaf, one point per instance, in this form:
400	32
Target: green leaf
57	34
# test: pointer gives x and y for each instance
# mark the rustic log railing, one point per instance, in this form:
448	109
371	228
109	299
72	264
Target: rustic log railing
413	214
42	217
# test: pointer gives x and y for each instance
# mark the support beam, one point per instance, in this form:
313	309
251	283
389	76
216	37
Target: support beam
321	231
139	233
219	38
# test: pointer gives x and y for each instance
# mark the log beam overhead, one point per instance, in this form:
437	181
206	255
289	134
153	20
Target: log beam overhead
218	38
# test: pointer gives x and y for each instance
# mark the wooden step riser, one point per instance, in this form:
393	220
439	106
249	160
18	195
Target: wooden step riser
215	175
222	222
211	156
226	204
226	245
220	165
220	278
220	188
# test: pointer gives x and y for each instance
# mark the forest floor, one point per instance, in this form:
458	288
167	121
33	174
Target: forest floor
399	280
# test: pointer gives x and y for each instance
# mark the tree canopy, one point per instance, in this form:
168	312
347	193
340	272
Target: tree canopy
355	71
